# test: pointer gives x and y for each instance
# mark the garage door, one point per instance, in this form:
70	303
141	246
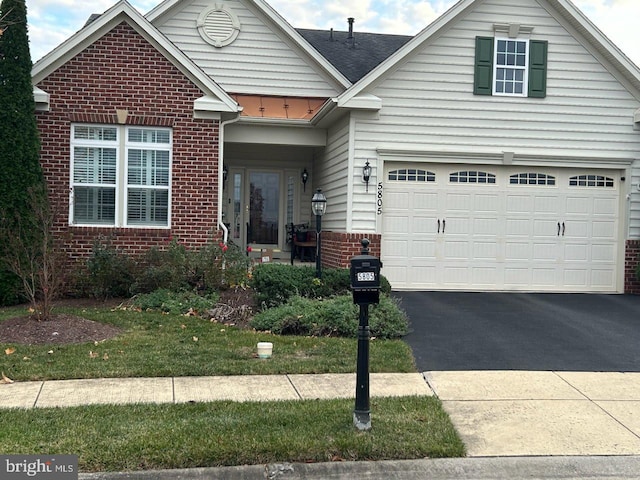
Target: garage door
500	228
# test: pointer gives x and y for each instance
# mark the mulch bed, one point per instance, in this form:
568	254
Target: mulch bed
59	329
236	307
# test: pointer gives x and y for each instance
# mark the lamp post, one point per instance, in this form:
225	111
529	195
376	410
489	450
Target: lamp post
318	206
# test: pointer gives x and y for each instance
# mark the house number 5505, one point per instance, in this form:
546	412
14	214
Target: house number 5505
380	198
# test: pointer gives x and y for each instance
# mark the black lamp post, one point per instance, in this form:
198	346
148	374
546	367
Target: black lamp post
318	206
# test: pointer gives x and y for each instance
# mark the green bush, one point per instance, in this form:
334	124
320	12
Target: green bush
171	269
177	303
10	288
110	272
336	316
275	283
218	266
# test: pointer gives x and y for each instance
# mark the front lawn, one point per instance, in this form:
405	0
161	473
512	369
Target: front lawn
154	344
142	437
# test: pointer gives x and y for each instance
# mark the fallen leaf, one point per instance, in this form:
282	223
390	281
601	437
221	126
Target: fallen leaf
26	358
6	379
50	352
105	357
195	339
92	354
10	351
183	326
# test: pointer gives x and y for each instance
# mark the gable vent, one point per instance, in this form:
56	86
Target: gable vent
218	26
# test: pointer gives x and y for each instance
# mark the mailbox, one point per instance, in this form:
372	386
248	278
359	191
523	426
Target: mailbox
365	277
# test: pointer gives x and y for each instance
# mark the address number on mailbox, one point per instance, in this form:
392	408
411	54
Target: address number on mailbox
366	276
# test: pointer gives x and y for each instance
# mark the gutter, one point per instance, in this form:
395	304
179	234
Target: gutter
221	224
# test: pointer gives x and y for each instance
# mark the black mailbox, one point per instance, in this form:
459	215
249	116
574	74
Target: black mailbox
365	277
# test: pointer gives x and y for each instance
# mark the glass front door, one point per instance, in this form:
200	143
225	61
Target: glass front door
264	208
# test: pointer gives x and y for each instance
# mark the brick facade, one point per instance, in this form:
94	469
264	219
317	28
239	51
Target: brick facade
122	71
631	261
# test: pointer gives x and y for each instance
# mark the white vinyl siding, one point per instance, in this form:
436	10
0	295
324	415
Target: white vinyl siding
118	182
332	175
259	61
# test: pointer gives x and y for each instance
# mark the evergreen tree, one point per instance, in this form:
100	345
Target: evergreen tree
20	171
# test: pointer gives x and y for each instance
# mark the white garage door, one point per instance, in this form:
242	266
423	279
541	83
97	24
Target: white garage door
500	228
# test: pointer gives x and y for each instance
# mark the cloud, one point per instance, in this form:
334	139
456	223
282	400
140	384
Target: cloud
618	20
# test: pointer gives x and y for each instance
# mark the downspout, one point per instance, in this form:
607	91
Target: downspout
221	224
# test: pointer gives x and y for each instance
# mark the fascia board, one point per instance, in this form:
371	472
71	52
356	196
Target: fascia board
161	9
123	11
364	101
41	99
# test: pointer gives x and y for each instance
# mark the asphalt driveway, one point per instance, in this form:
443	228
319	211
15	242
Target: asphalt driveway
523	331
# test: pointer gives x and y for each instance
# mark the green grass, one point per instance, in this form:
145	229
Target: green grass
154	345
142	437
137	437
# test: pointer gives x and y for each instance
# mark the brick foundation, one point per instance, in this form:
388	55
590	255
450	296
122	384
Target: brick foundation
632	258
122	71
338	248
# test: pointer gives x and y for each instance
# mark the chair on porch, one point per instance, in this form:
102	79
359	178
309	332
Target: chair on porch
303	242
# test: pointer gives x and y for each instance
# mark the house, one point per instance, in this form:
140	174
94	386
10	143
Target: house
503	140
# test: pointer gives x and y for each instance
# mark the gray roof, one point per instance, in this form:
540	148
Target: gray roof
354	57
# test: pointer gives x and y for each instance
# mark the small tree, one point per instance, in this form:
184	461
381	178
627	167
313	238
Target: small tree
34	255
20	170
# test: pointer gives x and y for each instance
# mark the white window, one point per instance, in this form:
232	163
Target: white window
120	176
510	66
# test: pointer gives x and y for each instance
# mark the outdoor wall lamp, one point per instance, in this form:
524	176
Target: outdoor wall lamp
304	177
366	174
225	174
318	207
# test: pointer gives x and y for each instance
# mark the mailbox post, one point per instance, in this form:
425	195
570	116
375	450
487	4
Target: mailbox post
365	285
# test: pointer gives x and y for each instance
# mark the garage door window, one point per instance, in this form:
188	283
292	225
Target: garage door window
597	181
532	179
411	175
472	177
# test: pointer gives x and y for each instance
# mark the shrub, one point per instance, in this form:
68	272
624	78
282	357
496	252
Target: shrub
110	272
275	283
337	316
218	266
169	269
10	289
177	303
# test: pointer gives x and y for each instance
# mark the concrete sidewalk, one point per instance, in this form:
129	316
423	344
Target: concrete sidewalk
516	413
497	413
70	393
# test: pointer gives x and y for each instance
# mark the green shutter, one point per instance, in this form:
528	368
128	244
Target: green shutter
483	80
538	68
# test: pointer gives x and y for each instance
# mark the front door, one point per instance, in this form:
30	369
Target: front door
264	208
254	208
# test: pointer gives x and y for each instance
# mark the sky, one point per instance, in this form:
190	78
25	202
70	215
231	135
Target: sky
53	21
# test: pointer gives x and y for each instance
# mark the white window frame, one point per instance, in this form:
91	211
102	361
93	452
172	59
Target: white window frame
122	146
524	68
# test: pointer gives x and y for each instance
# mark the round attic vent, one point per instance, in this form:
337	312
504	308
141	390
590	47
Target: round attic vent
218	26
